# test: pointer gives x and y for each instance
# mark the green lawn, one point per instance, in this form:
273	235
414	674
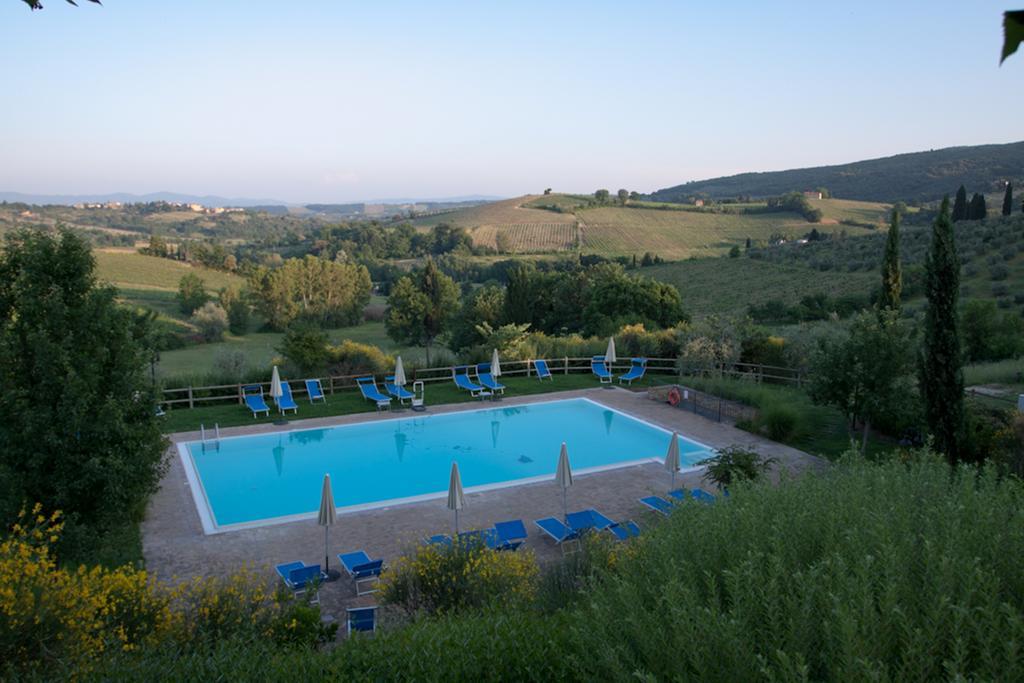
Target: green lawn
136	271
349	401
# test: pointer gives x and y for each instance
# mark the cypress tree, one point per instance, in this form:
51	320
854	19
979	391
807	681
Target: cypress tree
960	205
892	277
1008	200
941	374
977	210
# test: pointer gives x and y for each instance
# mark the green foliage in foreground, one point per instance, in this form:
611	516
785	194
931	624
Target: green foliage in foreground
897	571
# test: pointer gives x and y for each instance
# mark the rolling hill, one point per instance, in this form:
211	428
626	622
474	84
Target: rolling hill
918	176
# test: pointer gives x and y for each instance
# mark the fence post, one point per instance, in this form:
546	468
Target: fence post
330	380
565	365
241	400
191	404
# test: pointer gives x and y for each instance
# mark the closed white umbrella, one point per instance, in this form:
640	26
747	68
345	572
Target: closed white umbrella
672	457
495	365
275	388
563	476
609	354
456	500
327	516
399	372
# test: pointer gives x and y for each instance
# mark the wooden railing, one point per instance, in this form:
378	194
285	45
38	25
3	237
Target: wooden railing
192	396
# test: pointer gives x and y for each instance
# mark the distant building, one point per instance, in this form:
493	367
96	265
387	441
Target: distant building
698	202
812	194
198	208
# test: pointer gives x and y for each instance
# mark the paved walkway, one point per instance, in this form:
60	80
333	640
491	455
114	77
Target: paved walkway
176	548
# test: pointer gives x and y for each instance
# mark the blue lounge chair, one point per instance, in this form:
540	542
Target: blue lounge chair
625	530
636	371
587	519
483	374
702	496
511	534
462	381
487	537
441	540
362	570
362	619
368	388
678	494
558	531
599	368
315	391
401	393
253	395
298	577
658	504
541	366
286	402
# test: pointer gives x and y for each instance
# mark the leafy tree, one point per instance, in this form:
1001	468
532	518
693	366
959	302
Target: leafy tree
866	374
988	333
191	293
623	196
941	373
960	205
232	301
78	430
601	196
734	252
892	276
547	190
211	320
977	210
305	346
324	292
634	196
1008	200
1013	33
421	306
485	305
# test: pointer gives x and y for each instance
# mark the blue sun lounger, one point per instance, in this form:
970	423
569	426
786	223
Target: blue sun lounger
511	534
368	388
297	576
462	380
678	494
558	531
636	371
362	619
315	391
702	496
401	393
625	530
286	402
441	540
541	366
658	504
253	395
362	569
487	537
585	520
483	374
598	367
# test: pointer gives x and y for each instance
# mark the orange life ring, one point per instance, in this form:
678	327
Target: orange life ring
673	396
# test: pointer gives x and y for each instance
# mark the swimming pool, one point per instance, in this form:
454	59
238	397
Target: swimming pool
249	481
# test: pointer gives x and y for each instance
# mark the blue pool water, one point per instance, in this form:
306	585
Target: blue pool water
253	478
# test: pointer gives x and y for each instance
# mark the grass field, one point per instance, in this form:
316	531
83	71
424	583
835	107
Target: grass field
505	212
726	285
260	349
837	210
131	270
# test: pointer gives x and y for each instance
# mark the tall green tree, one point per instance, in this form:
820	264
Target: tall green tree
892	276
421	306
78	431
941	374
960	205
977	210
326	293
623	196
601	196
191	293
1008	200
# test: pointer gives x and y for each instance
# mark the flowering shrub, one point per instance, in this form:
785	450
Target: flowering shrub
437	579
53	617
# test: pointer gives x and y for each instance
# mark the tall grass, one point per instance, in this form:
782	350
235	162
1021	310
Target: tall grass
1010	371
868	572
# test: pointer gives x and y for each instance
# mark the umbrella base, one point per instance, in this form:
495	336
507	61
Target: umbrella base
332	575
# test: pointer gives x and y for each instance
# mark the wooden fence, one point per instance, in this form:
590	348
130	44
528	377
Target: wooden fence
192	396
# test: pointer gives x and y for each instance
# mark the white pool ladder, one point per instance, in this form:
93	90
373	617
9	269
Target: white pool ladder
215	441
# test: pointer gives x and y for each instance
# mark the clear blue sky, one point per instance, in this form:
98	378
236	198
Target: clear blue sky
331	101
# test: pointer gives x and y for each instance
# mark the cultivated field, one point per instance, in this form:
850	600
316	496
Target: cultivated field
528	238
505	212
727	285
130	270
849	210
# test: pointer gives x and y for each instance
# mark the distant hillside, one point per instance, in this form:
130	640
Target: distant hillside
919	176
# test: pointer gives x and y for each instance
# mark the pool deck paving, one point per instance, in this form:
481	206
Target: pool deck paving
175	547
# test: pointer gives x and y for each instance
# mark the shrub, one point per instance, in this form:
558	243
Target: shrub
999	272
735	463
238	317
353	358
211	320
191	293
438	579
305	346
230	363
778	421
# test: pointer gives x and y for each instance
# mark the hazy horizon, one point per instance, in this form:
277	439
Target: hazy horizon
321	102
